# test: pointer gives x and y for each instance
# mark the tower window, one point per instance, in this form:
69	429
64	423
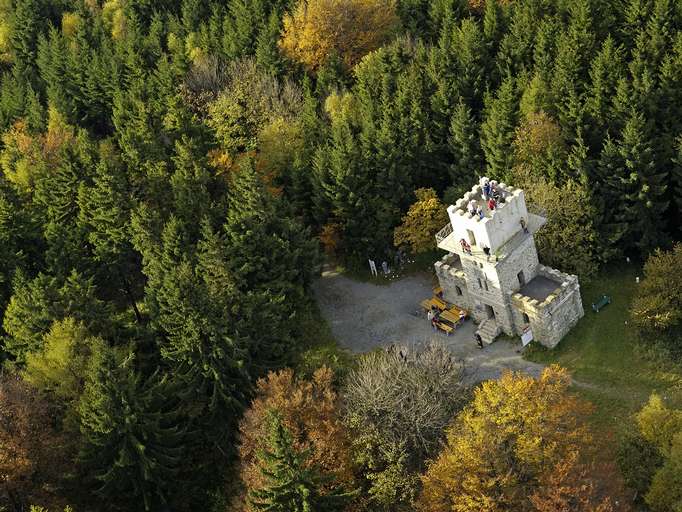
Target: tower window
485	284
480	285
458	290
526	319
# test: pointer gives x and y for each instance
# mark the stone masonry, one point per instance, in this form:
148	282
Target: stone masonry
506	290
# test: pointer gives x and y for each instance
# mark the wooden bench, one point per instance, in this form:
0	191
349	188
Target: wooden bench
603	301
434	301
447	329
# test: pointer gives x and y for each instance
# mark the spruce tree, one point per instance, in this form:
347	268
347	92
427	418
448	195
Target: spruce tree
293	486
497	130
132	445
641	189
272	261
465	147
105	214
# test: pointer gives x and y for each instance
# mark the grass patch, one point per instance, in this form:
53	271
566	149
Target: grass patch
416	264
603	355
319	347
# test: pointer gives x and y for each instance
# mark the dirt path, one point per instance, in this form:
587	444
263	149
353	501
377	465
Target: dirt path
364	316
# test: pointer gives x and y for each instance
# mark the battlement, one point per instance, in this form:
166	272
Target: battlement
497	226
564	285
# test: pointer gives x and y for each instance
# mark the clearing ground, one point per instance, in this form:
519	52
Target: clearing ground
364	316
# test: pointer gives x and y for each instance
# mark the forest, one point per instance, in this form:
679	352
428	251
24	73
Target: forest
173	176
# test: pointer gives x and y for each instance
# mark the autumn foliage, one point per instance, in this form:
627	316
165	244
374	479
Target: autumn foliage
31	451
348	29
308	410
423	220
517	446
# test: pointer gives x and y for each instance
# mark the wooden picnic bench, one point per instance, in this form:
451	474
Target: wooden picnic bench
603	301
446	328
434	301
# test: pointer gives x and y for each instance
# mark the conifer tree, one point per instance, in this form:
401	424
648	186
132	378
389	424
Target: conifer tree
497	130
267	53
105	212
272	261
606	71
132	444
465	147
642	187
292	486
36	303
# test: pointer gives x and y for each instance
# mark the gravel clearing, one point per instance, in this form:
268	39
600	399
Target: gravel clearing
364	316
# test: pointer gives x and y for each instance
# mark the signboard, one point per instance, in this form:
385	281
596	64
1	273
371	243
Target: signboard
527	337
372	267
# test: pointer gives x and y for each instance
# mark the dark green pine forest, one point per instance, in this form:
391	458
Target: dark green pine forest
174	173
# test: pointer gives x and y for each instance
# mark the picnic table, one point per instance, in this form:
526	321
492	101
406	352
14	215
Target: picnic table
434	301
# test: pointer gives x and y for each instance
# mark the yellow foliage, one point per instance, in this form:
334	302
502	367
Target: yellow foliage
5	42
658	424
350	29
341	106
279	143
537	136
423	220
657	305
58	367
25	157
71	21
113	13
194	52
511	436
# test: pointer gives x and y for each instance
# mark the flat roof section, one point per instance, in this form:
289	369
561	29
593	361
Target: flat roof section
539	288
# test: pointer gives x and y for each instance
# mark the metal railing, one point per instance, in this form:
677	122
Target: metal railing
444	233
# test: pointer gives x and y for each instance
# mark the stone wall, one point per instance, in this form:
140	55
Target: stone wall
451	277
552	318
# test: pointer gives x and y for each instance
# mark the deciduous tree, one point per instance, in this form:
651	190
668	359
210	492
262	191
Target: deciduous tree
310	412
398	403
505	446
423	220
349	29
657	307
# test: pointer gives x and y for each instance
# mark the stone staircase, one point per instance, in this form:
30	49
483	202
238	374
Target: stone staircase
488	330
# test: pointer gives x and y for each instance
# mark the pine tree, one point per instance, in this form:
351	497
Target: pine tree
132	444
497	130
637	187
105	214
272	261
292	486
465	147
267	53
606	71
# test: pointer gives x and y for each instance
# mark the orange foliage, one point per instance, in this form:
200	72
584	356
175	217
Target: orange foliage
31	451
309	409
330	237
516	446
350	29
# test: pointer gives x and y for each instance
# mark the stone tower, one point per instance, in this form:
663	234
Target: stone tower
498	277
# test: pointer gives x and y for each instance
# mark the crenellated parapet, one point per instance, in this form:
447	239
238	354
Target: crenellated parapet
551	318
